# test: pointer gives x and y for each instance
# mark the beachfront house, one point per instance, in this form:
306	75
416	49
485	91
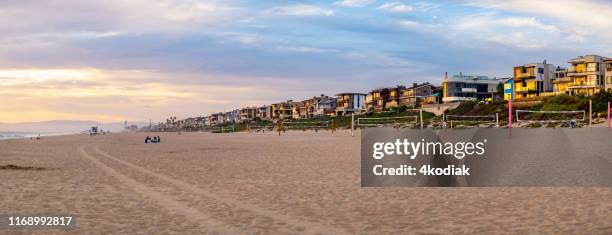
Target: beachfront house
216	119
232	116
417	94
560	76
307	108
295	109
461	88
189	124
608	74
350	102
247	114
282	110
531	80
264	113
384	98
200	122
326	107
585	76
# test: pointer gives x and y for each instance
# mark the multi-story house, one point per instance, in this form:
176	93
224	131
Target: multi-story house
531	80
560	76
585	76
208	120
232	116
282	110
217	118
200	122
384	98
350	102
187	124
413	96
307	108
395	93
326	107
247	114
296	108
264	113
469	88
608	74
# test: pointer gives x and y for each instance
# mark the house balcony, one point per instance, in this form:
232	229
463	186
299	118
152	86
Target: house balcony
562	80
581	72
526	90
521	77
525	75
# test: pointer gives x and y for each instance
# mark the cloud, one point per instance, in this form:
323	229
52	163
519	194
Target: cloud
114	93
303	49
353	3
137	16
578	18
301	10
396	7
516	31
387	61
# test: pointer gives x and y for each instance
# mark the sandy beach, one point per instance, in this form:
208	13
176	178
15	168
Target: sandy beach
299	183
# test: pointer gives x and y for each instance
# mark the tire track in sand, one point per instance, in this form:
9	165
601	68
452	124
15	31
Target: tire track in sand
165	201
309	227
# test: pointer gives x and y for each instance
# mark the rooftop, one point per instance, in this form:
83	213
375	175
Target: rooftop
349	93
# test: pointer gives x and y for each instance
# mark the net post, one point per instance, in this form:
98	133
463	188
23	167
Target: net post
608	115
517	117
590	113
497	120
443	121
352	124
510	113
421	115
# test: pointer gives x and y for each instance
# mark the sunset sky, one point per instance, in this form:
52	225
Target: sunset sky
136	60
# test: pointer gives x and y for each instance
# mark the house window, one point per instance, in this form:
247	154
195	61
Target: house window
541	70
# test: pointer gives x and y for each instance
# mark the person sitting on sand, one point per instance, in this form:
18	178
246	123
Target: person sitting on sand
154	140
158	139
147	140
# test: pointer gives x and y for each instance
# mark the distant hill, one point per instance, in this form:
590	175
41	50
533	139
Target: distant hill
64	126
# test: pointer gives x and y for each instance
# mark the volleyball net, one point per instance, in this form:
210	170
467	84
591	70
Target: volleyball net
550	116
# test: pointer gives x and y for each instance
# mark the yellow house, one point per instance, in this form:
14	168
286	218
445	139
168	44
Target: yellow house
531	80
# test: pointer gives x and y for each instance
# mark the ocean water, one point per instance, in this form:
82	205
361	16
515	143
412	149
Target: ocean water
4	135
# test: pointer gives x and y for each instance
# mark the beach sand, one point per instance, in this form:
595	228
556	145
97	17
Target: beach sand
301	182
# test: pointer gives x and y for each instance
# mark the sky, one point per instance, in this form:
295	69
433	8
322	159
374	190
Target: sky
137	60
